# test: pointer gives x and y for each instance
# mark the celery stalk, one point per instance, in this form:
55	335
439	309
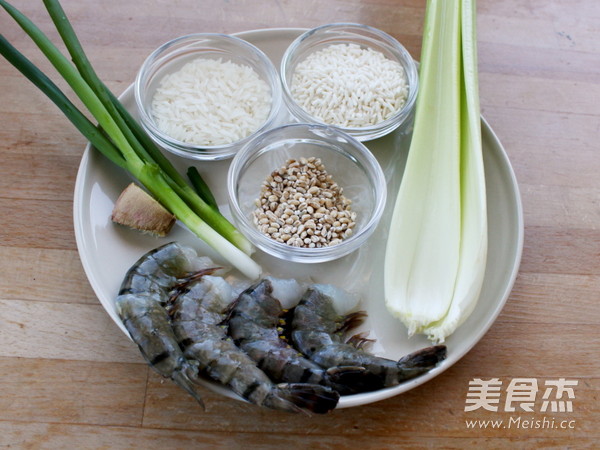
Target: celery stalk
422	253
474	238
437	249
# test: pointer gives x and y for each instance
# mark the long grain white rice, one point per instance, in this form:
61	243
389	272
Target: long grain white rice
349	86
211	102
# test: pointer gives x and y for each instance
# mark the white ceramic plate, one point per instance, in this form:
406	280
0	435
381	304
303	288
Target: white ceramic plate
107	251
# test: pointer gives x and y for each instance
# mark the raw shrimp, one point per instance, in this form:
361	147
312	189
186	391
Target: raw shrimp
168	281
318	332
140	304
159	270
197	313
256	322
149	327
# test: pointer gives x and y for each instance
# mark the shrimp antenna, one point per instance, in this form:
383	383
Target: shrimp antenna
185	282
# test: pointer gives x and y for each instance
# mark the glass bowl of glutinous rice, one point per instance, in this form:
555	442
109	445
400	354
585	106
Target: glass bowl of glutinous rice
203	96
351	76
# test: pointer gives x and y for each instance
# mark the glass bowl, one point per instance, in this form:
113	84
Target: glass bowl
171	57
365	37
350	164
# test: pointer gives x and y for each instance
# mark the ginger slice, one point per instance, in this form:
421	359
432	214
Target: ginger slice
136	209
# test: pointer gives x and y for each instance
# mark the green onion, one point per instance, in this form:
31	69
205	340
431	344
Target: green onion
139	140
436	252
121	139
201	187
83	124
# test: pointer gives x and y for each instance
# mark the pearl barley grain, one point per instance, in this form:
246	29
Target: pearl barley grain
301	206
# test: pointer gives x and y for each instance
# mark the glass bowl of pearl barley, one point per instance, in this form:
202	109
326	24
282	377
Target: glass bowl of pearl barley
306	192
351	76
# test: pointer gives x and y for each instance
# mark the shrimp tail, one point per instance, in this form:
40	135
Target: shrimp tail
353	379
421	361
308	398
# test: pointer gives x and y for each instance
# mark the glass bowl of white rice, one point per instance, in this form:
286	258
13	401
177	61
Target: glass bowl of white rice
203	96
306	193
351	76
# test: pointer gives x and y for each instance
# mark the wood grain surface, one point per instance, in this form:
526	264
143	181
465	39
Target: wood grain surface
69	378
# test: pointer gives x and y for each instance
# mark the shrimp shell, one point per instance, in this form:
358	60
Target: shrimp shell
256	323
318	332
174	318
161	269
203	339
148	325
140	304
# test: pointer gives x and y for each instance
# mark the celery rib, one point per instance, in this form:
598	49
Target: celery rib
422	250
474	238
436	252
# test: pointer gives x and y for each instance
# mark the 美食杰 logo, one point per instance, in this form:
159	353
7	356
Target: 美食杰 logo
522	395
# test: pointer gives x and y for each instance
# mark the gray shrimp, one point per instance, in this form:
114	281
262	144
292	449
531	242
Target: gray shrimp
149	327
197	315
159	270
255	322
140	305
318	332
